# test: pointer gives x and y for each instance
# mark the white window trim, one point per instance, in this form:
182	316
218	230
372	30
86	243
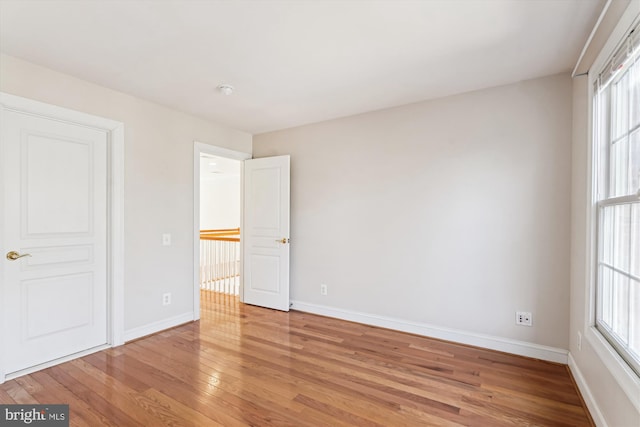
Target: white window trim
619	369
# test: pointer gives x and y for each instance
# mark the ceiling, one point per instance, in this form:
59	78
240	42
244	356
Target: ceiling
297	62
213	168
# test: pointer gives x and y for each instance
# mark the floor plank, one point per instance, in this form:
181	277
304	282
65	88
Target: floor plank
247	366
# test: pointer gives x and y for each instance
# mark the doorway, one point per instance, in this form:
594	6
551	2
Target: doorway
264	211
218	223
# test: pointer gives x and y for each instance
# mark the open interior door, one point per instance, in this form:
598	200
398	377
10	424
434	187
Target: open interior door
266	232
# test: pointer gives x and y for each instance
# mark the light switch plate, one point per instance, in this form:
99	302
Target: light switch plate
166	239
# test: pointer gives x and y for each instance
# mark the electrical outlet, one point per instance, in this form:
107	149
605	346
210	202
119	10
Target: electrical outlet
166	239
523	318
323	289
579	342
166	298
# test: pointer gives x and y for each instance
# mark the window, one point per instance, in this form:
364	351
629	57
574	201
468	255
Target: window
617	199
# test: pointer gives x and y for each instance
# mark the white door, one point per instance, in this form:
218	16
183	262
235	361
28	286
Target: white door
55	210
266	232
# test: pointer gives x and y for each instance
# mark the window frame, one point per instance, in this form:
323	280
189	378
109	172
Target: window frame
607	136
616	365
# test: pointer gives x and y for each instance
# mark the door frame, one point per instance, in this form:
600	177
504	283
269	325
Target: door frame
115	213
202	148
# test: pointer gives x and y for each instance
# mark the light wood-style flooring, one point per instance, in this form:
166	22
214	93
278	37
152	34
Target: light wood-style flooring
248	366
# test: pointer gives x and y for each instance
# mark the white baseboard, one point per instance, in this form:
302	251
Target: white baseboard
506	345
161	325
589	400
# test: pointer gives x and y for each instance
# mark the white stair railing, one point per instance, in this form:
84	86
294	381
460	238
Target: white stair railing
220	260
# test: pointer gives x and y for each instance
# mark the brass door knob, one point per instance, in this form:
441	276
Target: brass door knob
13	255
284	240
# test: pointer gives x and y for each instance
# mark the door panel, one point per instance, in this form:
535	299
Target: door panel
56	256
55	189
56	179
265	190
43	317
266	224
267	268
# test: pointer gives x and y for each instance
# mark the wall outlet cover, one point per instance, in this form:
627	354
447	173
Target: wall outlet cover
166	298
523	318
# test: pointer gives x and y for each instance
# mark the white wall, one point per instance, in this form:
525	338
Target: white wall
158	182
220	203
452	212
219	195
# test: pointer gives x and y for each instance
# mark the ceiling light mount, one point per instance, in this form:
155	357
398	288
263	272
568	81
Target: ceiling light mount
225	89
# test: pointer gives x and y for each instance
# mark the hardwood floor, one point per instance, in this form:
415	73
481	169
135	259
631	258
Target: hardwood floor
243	365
